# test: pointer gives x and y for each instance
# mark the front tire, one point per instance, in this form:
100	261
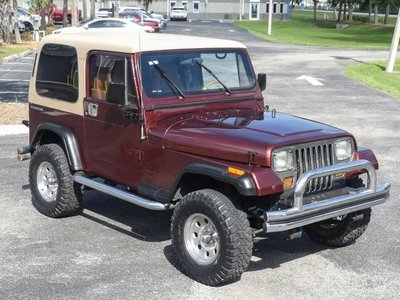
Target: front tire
211	237
339	232
54	192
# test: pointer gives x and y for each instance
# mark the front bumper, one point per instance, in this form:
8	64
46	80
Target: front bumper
303	214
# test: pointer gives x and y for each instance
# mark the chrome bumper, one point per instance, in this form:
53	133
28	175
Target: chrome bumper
303	214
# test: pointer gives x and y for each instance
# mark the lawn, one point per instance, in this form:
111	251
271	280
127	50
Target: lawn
10	50
302	30
374	75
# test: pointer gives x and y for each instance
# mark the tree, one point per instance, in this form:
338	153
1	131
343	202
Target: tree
92	8
145	3
16	22
41	6
5	13
84	9
65	13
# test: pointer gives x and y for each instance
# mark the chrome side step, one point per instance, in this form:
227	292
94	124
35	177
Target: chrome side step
120	194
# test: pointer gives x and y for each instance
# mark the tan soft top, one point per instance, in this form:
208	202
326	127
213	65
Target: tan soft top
134	42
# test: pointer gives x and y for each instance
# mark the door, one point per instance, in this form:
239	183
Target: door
254	13
112	136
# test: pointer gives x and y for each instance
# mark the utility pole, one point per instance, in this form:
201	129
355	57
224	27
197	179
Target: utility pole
395	45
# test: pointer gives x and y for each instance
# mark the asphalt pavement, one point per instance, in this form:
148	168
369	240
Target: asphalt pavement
14	79
115	250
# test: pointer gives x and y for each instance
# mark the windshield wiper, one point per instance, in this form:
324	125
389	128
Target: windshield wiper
174	88
200	63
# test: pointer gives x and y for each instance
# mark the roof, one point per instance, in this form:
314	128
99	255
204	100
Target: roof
135	41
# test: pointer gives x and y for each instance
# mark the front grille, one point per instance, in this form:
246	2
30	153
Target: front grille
313	156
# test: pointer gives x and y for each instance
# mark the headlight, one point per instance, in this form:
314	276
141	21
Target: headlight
283	160
343	149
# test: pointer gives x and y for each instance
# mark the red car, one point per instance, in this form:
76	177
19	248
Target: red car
141	19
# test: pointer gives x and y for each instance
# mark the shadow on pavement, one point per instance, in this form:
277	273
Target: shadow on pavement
143	224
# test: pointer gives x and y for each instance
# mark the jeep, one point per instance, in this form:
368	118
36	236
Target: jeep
171	122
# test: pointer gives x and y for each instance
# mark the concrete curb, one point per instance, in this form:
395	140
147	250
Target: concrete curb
6	130
17	55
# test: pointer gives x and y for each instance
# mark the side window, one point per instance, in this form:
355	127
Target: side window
57	73
111	79
98	24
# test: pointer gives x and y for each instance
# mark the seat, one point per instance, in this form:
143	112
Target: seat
116	86
100	84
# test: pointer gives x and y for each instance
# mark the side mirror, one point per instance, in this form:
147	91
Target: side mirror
262	81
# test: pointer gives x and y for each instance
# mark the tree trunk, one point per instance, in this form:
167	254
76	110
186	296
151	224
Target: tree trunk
369	11
344	11
387	10
16	23
315	10
50	15
43	19
65	13
74	13
5	12
340	12
375	13
84	9
350	12
92	10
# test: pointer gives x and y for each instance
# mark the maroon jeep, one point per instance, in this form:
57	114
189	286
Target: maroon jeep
171	122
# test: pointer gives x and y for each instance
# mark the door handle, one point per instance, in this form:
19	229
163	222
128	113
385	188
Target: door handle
92	109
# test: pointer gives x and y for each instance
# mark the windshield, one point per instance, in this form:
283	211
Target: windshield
188	71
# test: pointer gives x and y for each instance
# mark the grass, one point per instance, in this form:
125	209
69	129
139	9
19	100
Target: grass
302	30
373	74
10	50
27	44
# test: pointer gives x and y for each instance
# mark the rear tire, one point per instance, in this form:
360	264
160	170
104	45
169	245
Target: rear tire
54	192
211	237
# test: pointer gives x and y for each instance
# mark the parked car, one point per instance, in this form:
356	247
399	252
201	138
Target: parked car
58	15
178	122
21	25
108	24
148	16
25	17
178	13
140	19
104	12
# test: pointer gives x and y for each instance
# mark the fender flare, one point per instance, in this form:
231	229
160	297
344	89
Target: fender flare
244	184
68	139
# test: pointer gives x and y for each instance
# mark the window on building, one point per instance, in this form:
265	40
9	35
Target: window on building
275	7
196	7
111	79
57	73
281	8
267	8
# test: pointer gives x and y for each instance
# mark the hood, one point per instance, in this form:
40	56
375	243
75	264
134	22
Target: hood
232	135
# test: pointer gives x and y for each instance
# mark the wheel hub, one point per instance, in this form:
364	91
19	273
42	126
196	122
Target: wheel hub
201	239
47	182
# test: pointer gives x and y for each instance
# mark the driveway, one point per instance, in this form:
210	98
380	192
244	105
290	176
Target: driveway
120	251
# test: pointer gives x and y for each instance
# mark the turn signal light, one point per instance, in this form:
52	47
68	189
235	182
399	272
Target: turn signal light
287	182
235	171
339	174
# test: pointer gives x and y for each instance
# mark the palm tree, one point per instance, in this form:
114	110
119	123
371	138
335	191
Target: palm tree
5	13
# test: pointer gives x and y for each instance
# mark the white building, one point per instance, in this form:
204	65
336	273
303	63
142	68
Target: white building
201	9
